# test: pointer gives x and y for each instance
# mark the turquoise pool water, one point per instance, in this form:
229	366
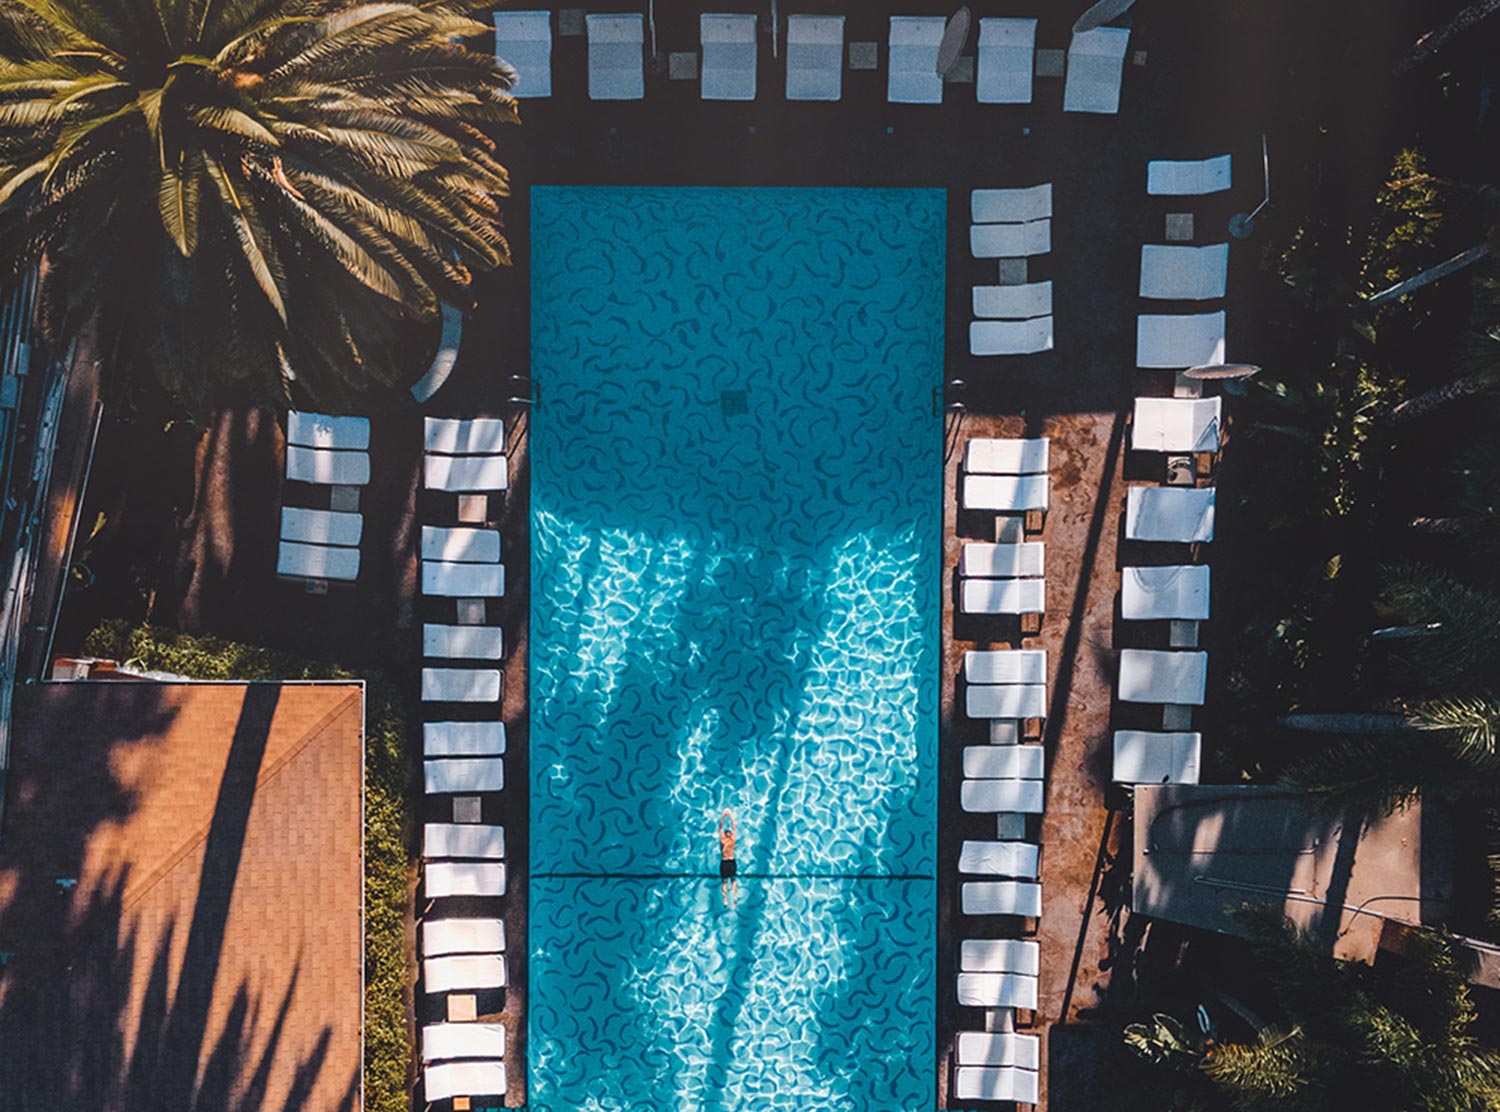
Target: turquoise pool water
736	497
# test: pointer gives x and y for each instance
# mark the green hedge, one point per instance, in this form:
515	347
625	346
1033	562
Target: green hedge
388	1049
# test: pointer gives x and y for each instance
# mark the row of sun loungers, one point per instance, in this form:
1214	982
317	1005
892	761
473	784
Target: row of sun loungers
317	545
815	58
997	1066
1014	317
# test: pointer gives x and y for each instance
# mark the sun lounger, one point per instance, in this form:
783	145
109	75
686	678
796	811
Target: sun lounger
462	936
472	841
463	739
446	580
1179	340
912	61
1003	762
1148	757
465	473
461	642
316	561
1000	955
1001	897
1005	666
461	544
617	60
1182	273
1006	457
463	878
1002	561
323	465
1002	596
1176	425
986	1048
1175	593
1013	302
1011	494
447	1041
481	436
996	1083
1005	701
464	972
814	57
523	40
1009	858
463	1079
1011	206
460	685
463	775
996	990
320	526
1166	178
1096	68
319	430
1010	337
1010	241
728	69
985	797
1007	56
1181	514
1159	676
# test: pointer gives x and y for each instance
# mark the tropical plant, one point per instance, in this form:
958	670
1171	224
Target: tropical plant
251	197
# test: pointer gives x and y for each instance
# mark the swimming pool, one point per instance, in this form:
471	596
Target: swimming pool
736	497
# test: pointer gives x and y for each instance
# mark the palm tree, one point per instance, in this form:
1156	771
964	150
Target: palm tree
255	198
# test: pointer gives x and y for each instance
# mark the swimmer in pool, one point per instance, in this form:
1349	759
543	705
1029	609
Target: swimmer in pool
729	890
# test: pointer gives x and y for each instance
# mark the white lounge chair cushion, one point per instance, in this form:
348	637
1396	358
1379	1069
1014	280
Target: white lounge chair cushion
1188	178
728	68
1176	424
463	739
320	526
996	990
323	465
1176	593
463	1079
1005	701
460	685
319	430
479	436
912	62
523	40
1002	561
1001	897
461	642
1161	676
1000	955
1005	666
1183	273
1010	241
1010	337
617	59
1181	514
1006	457
985	797
446	1041
1149	757
814	57
1004	762
1007	51
461	544
462	936
1096	68
462	878
446	580
1005	493
463	775
462	473
985	1048
474	841
1006	858
1003	596
316	561
1013	302
1171	340
996	1083
463	972
1011	206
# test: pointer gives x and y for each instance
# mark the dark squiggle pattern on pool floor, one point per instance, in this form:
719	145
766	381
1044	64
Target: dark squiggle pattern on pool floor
734	603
